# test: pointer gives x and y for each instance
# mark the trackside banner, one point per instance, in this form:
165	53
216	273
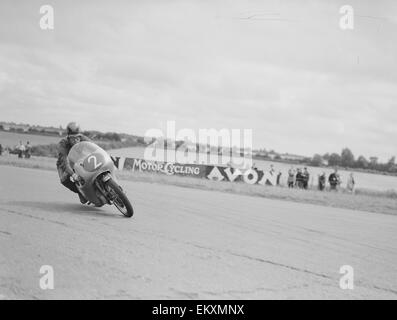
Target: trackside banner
134	164
217	173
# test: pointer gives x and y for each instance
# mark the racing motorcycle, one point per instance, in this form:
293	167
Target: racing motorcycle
97	181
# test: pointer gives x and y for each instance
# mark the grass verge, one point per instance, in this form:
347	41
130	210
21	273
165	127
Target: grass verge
363	200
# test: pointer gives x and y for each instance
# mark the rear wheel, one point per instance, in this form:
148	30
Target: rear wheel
120	199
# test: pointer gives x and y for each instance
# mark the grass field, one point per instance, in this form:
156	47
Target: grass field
11	139
47	146
365	200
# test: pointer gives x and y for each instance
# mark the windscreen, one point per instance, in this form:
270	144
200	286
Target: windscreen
81	150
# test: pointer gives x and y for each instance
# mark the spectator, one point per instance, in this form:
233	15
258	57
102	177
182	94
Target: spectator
291	177
334	180
279	178
321	181
299	178
21	149
27	150
305	178
351	183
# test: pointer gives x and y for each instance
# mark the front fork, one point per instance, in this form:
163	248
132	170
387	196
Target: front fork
104	194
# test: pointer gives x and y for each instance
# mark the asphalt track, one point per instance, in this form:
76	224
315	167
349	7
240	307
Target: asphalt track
186	244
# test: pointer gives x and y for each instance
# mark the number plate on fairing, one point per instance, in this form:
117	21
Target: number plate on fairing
93	162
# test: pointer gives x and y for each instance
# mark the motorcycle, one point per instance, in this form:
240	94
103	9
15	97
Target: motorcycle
97	181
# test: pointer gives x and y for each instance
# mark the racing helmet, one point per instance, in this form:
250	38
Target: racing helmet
72	128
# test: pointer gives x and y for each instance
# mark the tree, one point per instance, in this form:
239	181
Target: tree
334	160
347	158
391	164
317	160
373	163
362	162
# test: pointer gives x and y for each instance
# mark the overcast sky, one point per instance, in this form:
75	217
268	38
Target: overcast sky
284	69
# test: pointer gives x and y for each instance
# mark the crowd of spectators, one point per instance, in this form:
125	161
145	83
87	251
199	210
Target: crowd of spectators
22	150
300	178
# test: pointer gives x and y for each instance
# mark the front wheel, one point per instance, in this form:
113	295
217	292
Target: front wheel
120	199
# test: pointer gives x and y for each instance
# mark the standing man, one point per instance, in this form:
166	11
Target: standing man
299	178
291	177
21	149
27	150
351	183
306	178
321	181
279	177
334	180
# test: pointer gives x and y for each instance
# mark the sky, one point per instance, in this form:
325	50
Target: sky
284	69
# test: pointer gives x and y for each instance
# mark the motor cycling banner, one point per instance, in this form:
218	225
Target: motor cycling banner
168	168
216	173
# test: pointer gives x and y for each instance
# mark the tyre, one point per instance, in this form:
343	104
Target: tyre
120	199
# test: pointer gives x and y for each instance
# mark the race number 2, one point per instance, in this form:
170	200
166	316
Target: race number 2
94	161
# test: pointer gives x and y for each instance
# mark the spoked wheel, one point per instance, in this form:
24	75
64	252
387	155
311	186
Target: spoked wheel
120	199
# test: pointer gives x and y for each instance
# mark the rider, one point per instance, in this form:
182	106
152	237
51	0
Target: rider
65	172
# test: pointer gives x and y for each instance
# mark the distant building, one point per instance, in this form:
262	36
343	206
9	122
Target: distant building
5	126
15	127
272	155
292	157
21	127
52	130
248	152
260	153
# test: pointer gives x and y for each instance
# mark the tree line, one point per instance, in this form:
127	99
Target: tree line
347	159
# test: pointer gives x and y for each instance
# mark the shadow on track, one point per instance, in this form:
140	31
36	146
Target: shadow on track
73	208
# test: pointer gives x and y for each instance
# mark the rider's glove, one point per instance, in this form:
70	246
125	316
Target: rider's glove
75	177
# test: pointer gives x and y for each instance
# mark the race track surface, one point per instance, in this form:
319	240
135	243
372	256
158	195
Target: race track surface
186	244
